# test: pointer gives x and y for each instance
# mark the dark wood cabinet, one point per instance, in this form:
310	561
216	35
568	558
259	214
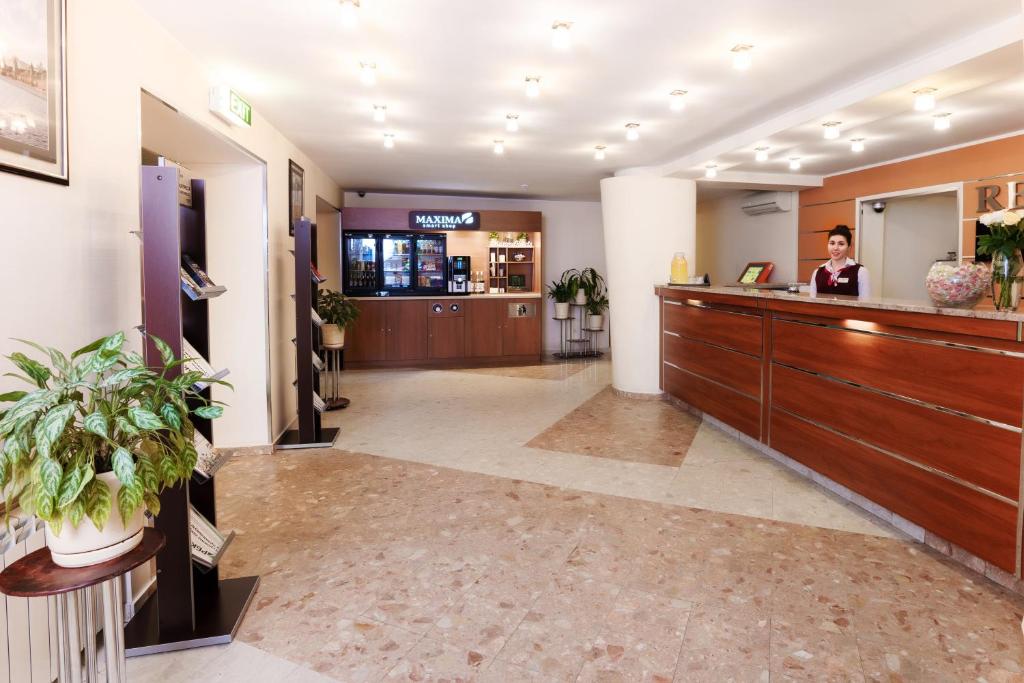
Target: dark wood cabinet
406	330
365	338
520	333
446	337
484	319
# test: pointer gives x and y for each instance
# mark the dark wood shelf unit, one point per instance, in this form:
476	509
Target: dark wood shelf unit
310	432
190	607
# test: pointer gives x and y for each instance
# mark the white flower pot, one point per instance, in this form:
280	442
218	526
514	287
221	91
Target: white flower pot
84	545
561	310
595	322
581	297
334	336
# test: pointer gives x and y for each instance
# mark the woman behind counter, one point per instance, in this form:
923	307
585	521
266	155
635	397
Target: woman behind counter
840	274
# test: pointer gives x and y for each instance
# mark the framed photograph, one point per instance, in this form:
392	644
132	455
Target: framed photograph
294	195
33	99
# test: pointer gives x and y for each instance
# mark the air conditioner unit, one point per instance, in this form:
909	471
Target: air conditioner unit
761	203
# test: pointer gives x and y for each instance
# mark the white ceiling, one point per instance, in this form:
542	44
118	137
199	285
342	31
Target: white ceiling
450	71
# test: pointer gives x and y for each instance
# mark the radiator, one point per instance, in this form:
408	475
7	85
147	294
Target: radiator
27	626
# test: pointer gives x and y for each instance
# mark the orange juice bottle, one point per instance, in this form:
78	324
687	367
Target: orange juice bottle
680	269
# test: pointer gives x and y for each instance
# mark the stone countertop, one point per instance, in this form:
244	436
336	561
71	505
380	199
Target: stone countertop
431	297
983	310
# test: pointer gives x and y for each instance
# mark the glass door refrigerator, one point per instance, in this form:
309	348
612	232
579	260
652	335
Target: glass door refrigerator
397	262
362	267
430	264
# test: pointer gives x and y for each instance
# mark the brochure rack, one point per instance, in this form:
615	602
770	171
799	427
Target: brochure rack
309	432
191	607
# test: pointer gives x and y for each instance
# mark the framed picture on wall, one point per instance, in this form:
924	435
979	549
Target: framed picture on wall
295	188
33	100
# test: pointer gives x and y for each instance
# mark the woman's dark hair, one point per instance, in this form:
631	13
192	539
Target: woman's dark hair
842	231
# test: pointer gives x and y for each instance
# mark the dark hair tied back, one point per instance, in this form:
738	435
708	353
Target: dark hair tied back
842	231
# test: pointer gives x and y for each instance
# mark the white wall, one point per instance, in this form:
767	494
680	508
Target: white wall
572	236
328	245
71	268
918	230
728	239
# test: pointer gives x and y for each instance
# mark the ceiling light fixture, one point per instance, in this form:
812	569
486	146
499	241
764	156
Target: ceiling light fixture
942	121
742	57
532	86
349	13
512	122
599	152
857	145
368	73
499	147
389	140
560	36
760	154
677	100
632	132
924	99
710	171
832	130
380	113
794	163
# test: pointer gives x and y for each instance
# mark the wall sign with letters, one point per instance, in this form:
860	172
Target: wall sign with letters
444	220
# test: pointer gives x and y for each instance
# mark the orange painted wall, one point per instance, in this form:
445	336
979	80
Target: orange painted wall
821	208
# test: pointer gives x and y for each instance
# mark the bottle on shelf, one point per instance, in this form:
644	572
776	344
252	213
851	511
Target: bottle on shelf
680	269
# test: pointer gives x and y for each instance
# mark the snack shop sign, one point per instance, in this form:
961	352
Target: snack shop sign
444	220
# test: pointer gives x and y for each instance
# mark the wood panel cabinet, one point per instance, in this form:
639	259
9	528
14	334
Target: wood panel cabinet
406	330
483	328
365	338
446	336
520	334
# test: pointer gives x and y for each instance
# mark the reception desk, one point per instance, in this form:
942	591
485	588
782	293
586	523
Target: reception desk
915	408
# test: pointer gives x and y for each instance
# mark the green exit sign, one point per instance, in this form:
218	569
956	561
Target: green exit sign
240	108
229	106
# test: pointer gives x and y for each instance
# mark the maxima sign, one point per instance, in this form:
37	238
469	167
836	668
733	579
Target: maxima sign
444	220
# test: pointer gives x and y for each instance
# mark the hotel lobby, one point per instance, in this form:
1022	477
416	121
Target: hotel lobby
478	341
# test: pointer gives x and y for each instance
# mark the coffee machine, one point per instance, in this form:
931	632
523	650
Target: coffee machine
458	275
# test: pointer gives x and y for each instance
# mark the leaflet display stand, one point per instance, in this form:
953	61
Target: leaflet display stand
192	606
310	433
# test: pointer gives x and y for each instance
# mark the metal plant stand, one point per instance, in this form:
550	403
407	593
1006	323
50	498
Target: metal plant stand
331	379
576	340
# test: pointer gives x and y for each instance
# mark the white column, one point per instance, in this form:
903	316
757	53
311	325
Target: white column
646	220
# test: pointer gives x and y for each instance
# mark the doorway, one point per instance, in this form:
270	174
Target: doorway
901	236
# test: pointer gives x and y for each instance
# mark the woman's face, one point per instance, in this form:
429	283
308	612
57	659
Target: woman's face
837	247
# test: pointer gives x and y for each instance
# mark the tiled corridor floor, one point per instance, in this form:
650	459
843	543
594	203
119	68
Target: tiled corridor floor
434	545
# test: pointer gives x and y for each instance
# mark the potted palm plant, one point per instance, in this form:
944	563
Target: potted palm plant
98	430
578	294
591	283
595	312
337	312
560	292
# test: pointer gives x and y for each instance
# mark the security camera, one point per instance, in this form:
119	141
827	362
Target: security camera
361	193
878	206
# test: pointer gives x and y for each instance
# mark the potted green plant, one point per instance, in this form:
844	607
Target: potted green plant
571	278
592	284
559	291
595	312
98	430
1004	242
337	312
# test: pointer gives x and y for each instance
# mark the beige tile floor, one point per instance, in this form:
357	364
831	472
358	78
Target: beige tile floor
462	554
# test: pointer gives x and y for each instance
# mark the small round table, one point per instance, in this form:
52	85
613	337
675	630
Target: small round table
35	576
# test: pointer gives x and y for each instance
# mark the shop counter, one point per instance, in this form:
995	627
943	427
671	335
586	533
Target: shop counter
917	408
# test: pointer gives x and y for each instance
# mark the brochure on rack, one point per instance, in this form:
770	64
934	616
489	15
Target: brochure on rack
208	460
208	543
194	362
196	284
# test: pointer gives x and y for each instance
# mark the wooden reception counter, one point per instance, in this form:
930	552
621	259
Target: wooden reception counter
916	408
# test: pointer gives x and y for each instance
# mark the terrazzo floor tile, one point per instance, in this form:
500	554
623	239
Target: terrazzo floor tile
548	371
610	426
434	661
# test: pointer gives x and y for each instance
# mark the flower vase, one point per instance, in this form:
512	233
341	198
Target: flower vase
1006	280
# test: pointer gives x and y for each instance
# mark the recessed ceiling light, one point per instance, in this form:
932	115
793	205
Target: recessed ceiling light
599	152
560	35
942	121
857	145
742	57
368	72
632	132
710	171
389	140
924	99
532	86
677	100
794	163
832	129
349	13
499	146
380	113
511	122
760	154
